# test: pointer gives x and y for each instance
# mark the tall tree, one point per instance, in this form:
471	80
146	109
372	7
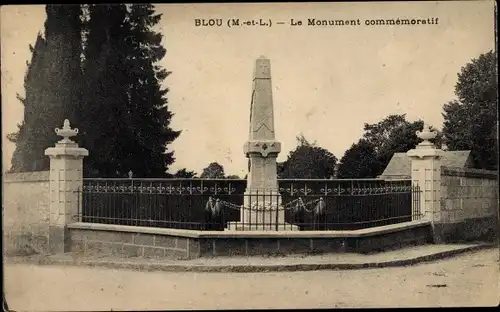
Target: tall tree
127	119
359	161
393	134
378	134
471	121
307	161
105	97
213	171
52	87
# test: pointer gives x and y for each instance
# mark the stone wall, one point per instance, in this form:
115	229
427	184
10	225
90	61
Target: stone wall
358	241
25	212
91	239
469	205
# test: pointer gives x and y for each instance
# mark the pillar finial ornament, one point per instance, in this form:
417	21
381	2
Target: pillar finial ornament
426	135
66	132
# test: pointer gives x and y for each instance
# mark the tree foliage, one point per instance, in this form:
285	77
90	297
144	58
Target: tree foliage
471	121
184	174
359	161
52	87
372	153
98	67
213	171
307	161
126	116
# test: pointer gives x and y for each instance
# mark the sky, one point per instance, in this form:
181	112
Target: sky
328	81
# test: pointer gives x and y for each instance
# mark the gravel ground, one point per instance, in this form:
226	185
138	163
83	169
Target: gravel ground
468	280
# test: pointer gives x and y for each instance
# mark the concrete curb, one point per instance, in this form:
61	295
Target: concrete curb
248	268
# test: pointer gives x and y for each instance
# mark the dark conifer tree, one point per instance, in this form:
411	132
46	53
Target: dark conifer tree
51	87
127	120
105	94
98	67
150	132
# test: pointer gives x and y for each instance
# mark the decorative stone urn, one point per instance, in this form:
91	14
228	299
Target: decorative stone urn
426	135
66	132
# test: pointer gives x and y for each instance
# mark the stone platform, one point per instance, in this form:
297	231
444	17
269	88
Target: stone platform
133	241
240	226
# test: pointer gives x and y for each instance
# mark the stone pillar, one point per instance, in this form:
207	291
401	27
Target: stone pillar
426	174
66	182
262	201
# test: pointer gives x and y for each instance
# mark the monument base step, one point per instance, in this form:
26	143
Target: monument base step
238	226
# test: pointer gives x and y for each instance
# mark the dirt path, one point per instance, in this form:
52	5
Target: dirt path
468	280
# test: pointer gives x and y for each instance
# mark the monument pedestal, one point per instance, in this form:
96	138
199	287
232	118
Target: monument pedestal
262	211
239	226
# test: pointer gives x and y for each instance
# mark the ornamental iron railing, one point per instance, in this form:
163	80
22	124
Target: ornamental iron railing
200	204
169	203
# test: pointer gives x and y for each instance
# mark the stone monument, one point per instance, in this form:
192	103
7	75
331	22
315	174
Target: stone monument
262	205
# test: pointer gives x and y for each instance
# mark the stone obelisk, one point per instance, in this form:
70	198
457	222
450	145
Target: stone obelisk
262	205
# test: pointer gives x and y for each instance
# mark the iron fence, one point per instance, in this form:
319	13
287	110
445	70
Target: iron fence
168	203
212	204
351	204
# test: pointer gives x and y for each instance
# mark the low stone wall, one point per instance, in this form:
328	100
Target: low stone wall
25	212
469	205
129	241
